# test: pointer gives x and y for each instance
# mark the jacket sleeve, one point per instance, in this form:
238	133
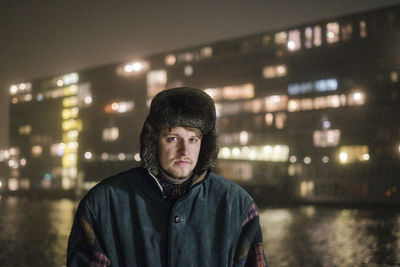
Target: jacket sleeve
83	246
250	252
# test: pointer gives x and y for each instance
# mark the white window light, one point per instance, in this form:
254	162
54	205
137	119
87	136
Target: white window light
133	68
120	107
70	78
20	88
170	59
88	155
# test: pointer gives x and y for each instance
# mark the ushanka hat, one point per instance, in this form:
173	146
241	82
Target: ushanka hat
180	107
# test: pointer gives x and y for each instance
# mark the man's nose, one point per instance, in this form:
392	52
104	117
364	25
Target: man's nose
183	147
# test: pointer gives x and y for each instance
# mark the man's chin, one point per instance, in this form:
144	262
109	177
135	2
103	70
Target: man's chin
179	174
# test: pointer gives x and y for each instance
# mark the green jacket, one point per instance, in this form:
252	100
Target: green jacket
126	221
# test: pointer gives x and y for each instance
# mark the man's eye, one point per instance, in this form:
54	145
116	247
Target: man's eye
172	139
194	140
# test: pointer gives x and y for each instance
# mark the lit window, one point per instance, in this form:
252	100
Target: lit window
269	117
88	155
238	92
133	68
57	149
346	31
20	88
242	138
281	70
394	76
156	82
306	104
356	98
206	51
72	125
317	35
307	160
294	42
185	57
69	160
110	134
269	72
332	101
70	101
25	129
70	136
28	97
84	95
308	37
281	38
120	107
274	71
71	147
70	78
188	70
363	29
37	150
326	85
332	32
233	92
254	106
13	184
70	113
275	103
326	138
350	154
170	59
294	105
275	153
306	188
280	120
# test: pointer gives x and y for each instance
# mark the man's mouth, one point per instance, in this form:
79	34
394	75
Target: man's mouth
183	161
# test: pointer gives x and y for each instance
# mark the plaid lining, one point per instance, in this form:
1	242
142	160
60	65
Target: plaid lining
259	260
99	260
251	214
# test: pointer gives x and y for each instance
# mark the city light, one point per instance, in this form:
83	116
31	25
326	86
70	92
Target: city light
137	157
343	157
170	59
133	68
88	155
88	100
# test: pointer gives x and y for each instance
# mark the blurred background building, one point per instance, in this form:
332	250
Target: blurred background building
310	112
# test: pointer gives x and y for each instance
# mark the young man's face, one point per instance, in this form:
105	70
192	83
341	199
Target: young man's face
178	150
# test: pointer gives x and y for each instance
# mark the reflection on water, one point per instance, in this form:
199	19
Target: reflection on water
310	236
35	233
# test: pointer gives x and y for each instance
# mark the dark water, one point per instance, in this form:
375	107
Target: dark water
35	233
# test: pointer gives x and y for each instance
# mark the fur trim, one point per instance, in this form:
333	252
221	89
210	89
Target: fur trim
184	107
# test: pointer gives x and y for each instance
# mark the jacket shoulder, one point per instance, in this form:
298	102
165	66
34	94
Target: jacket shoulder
226	186
116	185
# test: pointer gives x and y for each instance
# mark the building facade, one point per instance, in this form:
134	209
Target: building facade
310	112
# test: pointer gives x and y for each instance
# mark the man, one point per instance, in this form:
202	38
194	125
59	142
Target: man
171	211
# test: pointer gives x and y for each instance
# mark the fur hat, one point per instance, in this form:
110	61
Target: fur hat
184	107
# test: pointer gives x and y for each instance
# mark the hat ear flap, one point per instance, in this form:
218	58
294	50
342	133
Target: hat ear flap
208	153
148	148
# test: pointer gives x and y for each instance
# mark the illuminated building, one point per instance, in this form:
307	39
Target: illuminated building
311	110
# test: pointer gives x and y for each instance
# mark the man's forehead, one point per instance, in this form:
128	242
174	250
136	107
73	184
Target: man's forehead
179	129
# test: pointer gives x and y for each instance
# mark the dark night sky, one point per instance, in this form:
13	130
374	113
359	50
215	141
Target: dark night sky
41	38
